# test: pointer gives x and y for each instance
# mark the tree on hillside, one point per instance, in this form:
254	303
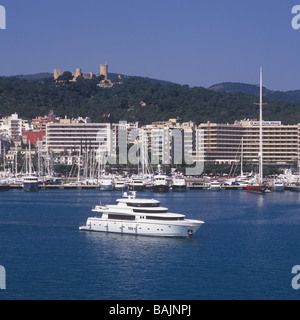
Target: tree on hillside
65	77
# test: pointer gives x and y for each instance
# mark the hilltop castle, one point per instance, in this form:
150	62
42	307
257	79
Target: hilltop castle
78	73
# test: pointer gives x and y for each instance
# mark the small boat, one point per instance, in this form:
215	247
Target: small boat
30	183
178	183
140	217
257	188
277	186
215	186
120	185
106	184
160	184
136	184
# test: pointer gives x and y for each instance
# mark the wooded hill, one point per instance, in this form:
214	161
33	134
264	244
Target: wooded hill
252	89
137	99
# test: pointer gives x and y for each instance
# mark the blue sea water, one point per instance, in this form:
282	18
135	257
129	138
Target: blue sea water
245	250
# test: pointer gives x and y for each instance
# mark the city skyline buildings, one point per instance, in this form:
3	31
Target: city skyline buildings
168	142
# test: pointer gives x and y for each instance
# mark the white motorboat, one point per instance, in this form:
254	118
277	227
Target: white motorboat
120	185
215	186
106	184
178	183
136	184
30	183
140	217
160	183
277	186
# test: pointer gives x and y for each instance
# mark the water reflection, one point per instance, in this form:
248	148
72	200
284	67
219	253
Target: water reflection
127	245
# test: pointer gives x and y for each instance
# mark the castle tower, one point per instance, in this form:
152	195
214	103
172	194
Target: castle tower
56	73
78	73
104	71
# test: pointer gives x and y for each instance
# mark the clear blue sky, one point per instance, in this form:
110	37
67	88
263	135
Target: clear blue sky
194	42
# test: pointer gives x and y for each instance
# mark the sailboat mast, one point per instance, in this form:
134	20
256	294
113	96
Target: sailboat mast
260	131
242	157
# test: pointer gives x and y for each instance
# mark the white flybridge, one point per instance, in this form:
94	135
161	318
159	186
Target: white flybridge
140	217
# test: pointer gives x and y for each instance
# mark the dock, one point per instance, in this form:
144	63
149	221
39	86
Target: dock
190	186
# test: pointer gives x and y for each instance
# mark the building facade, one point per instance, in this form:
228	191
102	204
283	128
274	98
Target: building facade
73	137
224	143
172	143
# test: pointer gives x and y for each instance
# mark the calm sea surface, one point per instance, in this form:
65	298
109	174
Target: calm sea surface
245	250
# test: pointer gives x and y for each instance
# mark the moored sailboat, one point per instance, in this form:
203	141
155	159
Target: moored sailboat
259	186
30	181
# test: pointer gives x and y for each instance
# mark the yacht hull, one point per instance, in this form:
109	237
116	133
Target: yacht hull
106	188
4	188
160	188
295	189
179	188
30	187
185	229
120	189
136	187
278	188
215	188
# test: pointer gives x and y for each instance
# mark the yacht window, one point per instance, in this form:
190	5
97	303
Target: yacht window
164	218
150	211
121	217
132	204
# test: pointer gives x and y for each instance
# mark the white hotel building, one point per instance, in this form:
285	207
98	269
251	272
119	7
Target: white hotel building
223	142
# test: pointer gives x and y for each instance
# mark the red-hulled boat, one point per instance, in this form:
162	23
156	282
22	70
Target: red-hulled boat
257	188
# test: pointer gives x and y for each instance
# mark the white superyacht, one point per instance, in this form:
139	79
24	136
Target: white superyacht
140	217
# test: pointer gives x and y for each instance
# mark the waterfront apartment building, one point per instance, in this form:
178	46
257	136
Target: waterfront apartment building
224	143
70	137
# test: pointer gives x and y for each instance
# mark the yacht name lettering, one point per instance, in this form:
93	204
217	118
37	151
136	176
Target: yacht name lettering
119	310
170	310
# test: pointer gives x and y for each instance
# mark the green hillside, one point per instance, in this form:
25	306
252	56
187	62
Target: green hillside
236	87
161	101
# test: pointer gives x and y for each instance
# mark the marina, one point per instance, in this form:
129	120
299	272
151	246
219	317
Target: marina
189	186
